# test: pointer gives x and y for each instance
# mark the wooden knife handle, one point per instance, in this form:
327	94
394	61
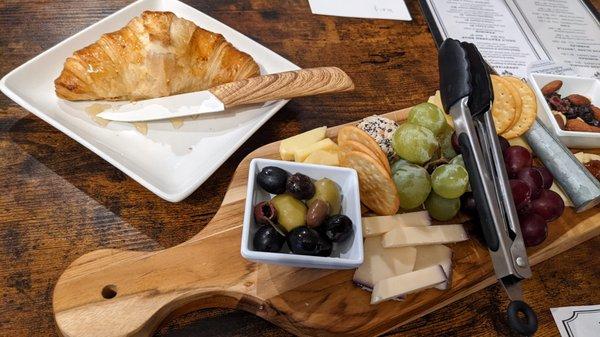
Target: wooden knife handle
289	84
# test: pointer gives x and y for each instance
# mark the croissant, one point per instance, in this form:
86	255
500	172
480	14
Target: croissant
156	54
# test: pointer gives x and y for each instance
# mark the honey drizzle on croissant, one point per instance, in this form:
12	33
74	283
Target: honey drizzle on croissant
156	54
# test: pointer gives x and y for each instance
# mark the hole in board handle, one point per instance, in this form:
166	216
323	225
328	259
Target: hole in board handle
109	291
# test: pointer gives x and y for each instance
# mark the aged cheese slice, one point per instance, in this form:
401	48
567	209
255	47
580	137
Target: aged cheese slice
323	157
324	144
407	283
381	263
378	225
433	255
417	236
288	146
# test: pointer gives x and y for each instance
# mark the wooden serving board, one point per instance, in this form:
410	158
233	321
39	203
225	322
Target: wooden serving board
113	292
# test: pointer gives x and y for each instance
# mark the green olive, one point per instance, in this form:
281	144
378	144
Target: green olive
291	212
327	190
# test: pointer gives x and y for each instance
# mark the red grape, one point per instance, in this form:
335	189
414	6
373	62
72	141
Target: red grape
521	194
516	158
546	176
504	144
549	205
533	228
533	178
467	203
454	142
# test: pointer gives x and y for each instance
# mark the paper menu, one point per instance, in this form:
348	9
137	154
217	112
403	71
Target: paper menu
511	34
581	321
372	9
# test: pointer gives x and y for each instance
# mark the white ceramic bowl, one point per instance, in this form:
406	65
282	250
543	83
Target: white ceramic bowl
345	256
588	87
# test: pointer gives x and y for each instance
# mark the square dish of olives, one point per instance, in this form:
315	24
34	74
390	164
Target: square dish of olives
302	215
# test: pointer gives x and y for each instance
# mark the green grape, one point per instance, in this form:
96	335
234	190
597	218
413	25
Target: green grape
445	140
450	180
442	209
413	185
414	143
397	164
458	160
429	116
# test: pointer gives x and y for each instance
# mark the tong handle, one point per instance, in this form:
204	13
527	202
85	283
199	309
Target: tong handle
485	215
526	325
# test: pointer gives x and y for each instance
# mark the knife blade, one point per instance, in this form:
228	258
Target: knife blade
260	89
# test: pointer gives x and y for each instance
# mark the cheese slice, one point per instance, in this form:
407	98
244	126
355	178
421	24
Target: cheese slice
323	157
432	255
324	144
381	263
418	236
378	225
288	146
407	283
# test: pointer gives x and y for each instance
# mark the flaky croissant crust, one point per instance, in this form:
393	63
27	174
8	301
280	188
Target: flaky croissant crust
156	54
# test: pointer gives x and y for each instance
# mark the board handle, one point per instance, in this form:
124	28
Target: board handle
118	293
286	85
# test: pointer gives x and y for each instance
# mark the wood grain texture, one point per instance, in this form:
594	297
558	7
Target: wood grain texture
127	293
285	85
60	201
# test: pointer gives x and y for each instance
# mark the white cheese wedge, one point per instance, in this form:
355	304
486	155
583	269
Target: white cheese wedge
378	225
433	255
418	236
323	157
407	283
324	144
288	146
381	263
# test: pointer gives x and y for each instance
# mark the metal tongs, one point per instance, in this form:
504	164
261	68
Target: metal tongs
466	92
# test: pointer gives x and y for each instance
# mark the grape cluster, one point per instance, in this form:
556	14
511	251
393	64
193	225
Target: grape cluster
530	185
429	171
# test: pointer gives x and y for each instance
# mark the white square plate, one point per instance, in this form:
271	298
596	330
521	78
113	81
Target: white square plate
588	87
169	162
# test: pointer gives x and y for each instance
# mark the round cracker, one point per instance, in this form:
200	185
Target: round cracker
528	109
350	145
504	107
518	101
377	190
351	132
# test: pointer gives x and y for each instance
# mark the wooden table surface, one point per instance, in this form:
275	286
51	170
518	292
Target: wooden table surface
58	200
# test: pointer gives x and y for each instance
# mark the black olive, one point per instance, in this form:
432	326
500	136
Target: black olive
300	186
272	179
337	228
307	241
268	239
265	213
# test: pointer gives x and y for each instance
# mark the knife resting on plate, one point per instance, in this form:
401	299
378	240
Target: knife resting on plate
285	85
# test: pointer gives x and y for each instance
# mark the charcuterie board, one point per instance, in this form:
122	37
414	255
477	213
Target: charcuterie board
127	293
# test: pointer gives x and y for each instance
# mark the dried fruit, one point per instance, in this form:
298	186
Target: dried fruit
578	100
561	120
551	87
578	124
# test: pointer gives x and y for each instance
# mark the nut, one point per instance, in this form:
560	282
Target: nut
317	213
594	168
551	87
579	100
578	124
561	120
596	112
